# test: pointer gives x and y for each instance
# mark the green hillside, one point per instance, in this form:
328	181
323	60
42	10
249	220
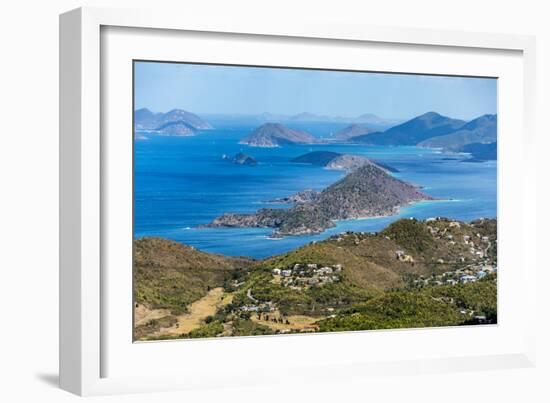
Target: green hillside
414	273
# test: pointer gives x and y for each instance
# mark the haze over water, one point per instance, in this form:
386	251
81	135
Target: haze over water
183	182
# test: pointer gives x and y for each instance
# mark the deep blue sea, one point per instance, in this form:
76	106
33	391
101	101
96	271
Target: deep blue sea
182	182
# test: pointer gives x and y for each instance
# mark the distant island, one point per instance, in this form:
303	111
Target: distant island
176	122
438	272
368	191
366	119
432	130
177	128
241	159
338	161
351	131
482	130
275	135
414	131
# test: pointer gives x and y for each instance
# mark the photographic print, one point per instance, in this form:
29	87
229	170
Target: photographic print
273	200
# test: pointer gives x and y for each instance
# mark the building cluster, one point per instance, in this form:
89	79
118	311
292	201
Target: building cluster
301	276
468	274
356	237
477	246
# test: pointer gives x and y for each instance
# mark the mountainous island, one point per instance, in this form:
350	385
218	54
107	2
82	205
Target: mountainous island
437	272
241	159
334	160
433	130
176	122
275	135
482	130
414	131
368	191
351	131
177	128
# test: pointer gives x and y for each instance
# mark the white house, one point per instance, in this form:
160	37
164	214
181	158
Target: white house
468	279
325	270
480	274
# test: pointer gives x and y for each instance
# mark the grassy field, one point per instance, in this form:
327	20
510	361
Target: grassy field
198	312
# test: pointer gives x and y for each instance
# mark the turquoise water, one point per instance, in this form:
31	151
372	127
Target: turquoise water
182	182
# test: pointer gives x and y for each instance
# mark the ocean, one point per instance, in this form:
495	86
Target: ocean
183	182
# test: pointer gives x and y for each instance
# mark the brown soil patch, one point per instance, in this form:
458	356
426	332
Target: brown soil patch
198	312
296	322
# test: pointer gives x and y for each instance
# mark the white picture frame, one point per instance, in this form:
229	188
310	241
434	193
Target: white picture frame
85	344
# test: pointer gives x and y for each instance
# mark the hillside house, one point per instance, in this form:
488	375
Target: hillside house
468	279
325	270
480	274
250	308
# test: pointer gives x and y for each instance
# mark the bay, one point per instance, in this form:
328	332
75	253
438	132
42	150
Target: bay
183	182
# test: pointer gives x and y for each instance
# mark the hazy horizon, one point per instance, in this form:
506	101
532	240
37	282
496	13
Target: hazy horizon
243	90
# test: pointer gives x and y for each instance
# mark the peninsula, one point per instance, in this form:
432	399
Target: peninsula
368	191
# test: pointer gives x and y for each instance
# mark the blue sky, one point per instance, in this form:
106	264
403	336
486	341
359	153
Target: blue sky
253	90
